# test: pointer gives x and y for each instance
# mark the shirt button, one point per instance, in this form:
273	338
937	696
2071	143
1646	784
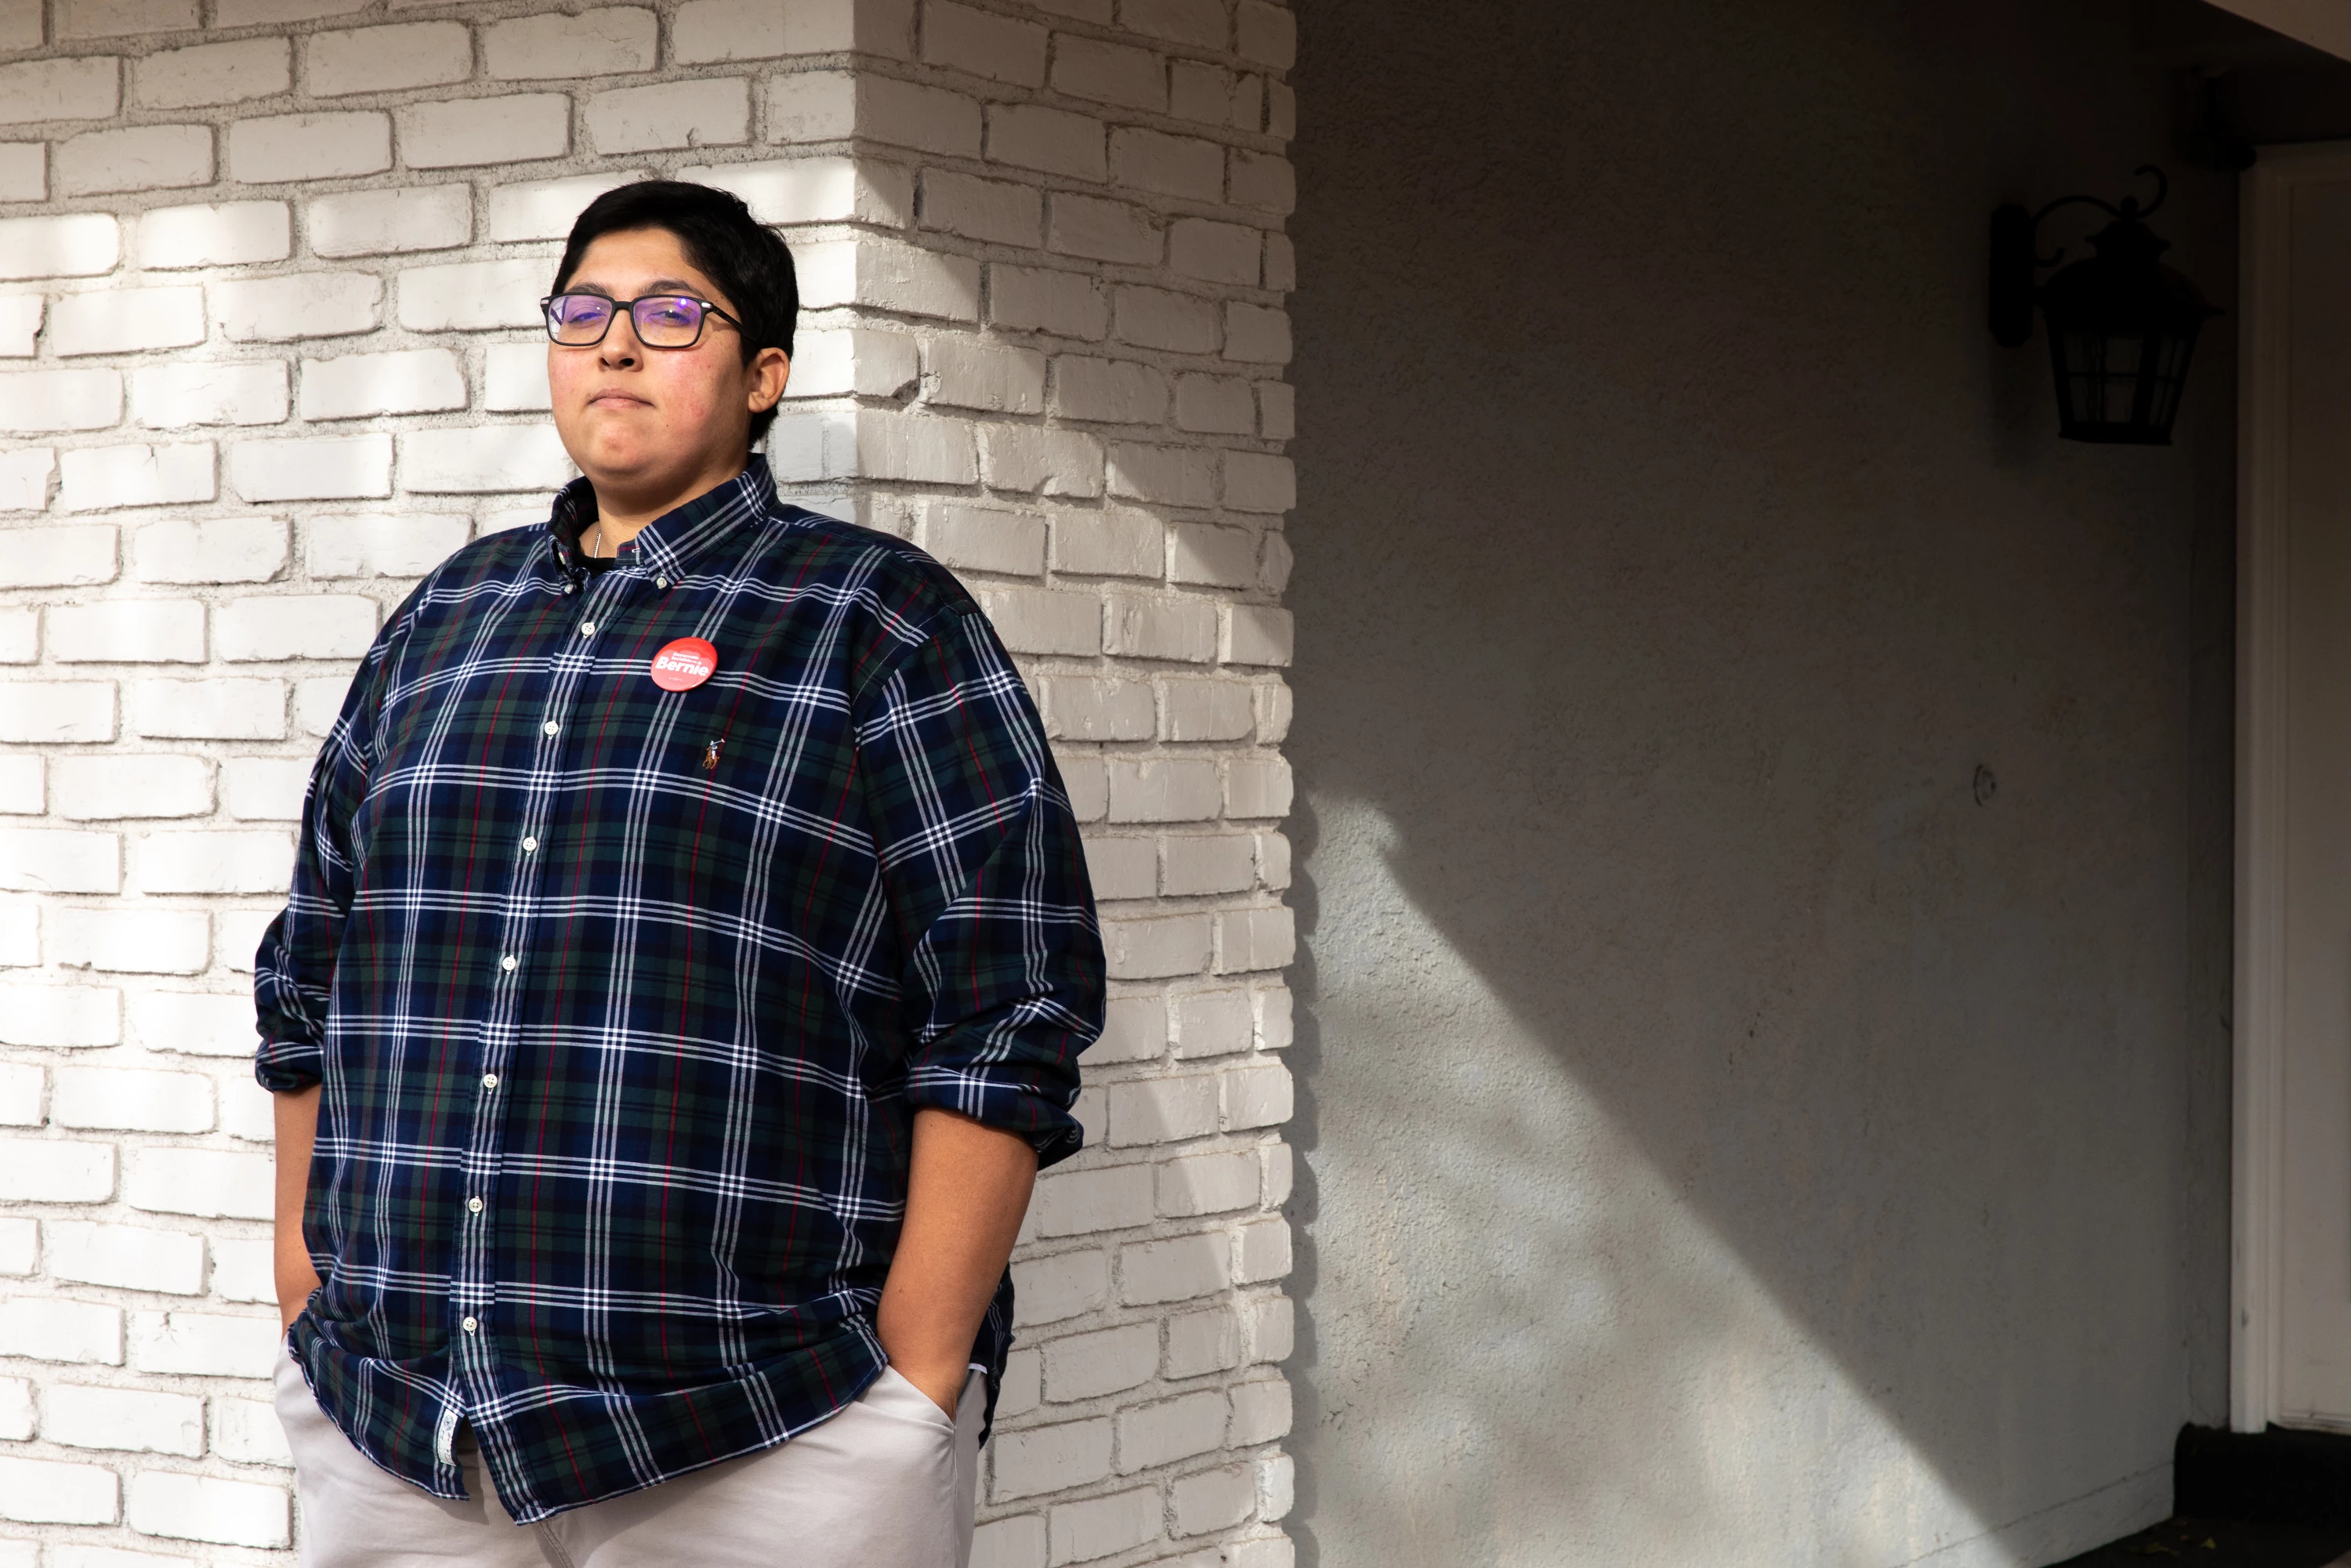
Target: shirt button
587	628
508	963
489	1080
473	1206
531	844
569	587
660	583
471	1324
550	727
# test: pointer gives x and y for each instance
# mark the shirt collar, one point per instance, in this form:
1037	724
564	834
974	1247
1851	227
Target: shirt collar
670	541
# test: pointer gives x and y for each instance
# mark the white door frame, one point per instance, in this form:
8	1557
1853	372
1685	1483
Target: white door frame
2265	357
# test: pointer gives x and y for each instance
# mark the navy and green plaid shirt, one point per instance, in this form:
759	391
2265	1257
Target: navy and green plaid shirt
625	998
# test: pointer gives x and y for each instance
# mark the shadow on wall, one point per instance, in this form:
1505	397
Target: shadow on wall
1727	1140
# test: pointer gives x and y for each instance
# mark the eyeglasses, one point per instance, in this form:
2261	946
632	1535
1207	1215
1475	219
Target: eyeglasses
660	320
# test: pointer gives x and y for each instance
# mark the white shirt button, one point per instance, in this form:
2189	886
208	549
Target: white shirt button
473	1206
587	628
471	1324
550	727
531	844
660	583
489	1080
569	587
508	963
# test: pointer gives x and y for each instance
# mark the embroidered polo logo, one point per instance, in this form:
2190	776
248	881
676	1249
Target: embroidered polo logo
684	665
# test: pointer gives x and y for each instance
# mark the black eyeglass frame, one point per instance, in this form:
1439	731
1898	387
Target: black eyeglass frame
708	309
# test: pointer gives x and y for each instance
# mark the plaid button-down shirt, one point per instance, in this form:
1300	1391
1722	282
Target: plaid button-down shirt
623	999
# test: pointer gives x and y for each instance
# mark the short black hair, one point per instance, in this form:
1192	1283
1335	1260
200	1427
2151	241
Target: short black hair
750	264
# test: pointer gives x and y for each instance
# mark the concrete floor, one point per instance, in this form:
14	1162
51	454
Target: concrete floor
2224	1544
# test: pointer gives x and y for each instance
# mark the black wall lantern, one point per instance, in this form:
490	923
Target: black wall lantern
2121	324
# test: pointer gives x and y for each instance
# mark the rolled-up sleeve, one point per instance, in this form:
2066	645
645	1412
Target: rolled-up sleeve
1002	983
293	972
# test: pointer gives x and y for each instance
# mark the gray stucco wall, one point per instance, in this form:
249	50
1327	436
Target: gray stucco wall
1726	1140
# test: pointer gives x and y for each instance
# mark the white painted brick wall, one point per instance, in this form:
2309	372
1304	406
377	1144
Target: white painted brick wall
267	274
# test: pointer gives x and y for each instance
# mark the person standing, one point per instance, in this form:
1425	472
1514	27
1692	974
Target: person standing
683	979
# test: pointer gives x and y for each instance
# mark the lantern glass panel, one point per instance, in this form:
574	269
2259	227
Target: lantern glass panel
2119	386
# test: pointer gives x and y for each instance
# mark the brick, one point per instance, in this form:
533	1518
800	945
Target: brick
1279	420
20	324
222	234
1047	1290
47	401
1103	231
545	209
1258	787
1145	627
57	859
1212	554
82	244
1281	110
131	1420
1121	867
211	861
379	223
1101	1526
1214	252
308	305
206	74
1154	1272
198	1507
1273	860
984	538
815	190
1088	1365
483	459
887	276
1262	1251
1171	165
386	59
1052	140
1081	708
317	701
246	1432
358	386
308	147
1162	789
225	709
21	1084
24	173
1202	1343
907	114
219	550
995	210
209	1183
1015	1542
1134	1029
1209	1184
259	13
984	43
19	635
1212	1499
403	544
1199	92
1255	634
247	1112
699	113
16	1419
129	630
1251	939
1161	1110
1214	1023
175	397
61	713
137	157
85	88
603	42
127	320
266	789
1156	949
1156	318
1028	458
119	18
1115	391
1068	304
196	1023
1108	73
1221	406
1267	33
812	106
311	467
1256	334
21	27
1173	1430
1263	180
1114	542
473	295
1199	22
46	1329
1040	621
1261	1412
1110	1198
169	1262
44	1491
112	785
244	1268
132	941
962	373
520	128
1051	1458
1206	710
1197	865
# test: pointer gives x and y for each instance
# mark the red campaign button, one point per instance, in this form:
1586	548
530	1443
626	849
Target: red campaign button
684	665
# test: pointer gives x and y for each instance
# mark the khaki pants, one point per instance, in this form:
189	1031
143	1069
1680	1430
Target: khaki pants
885	1483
